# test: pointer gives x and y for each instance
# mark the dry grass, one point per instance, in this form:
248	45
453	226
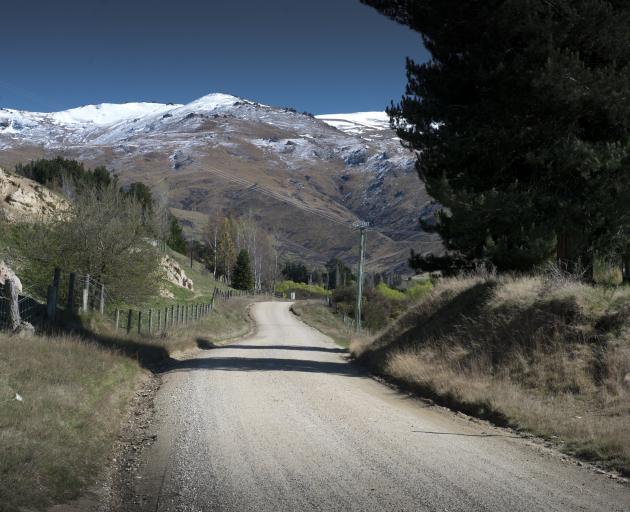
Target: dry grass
318	315
549	357
229	320
54	442
75	391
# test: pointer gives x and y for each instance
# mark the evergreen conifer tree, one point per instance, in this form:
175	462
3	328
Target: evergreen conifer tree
522	121
243	278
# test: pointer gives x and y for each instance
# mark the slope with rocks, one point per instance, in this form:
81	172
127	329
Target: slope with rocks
23	200
206	157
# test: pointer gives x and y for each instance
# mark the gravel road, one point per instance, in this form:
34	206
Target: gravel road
281	422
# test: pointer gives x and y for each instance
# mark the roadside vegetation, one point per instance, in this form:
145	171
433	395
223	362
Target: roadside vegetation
381	304
65	390
64	397
324	319
546	354
302	290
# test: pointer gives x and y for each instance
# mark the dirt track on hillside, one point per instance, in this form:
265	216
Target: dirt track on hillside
281	421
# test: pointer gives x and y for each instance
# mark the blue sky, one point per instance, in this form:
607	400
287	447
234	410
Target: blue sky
320	56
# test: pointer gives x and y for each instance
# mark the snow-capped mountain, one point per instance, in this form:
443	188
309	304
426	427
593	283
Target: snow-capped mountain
345	165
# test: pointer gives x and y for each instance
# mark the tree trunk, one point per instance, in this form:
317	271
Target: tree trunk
571	253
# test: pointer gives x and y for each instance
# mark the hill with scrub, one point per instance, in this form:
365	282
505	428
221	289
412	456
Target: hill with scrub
304	178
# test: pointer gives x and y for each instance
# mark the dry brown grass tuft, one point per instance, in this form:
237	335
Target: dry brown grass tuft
551	356
75	391
320	316
54	442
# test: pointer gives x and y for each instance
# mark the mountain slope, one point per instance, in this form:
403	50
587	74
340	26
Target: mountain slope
207	156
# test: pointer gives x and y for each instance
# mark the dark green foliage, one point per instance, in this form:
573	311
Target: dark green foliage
176	240
338	274
296	271
243	278
449	264
141	193
523	119
65	175
344	298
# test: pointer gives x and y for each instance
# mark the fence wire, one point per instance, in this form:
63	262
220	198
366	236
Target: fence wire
31	310
76	293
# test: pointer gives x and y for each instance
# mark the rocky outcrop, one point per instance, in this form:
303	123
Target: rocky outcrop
7	273
175	273
24	200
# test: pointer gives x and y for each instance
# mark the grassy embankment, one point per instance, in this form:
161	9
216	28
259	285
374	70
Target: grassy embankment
74	392
322	317
543	355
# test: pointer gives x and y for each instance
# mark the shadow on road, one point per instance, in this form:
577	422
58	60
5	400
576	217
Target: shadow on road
286	347
263	364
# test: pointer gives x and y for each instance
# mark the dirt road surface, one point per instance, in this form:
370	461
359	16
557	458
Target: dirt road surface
282	422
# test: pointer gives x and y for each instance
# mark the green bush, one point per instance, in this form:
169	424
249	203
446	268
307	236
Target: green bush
419	290
389	293
302	290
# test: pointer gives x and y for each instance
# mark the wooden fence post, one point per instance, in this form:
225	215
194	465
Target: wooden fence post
159	312
101	305
10	290
150	320
117	318
51	302
129	322
86	292
177	311
56	278
71	283
139	322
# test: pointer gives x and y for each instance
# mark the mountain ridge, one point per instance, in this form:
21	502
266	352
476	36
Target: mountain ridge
349	165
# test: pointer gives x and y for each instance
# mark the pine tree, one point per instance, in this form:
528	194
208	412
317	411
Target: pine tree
522	118
243	278
226	249
176	240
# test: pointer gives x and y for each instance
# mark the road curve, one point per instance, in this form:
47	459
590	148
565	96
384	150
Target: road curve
281	422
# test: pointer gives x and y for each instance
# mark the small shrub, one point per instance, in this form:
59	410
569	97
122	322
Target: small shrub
607	273
389	293
419	290
302	290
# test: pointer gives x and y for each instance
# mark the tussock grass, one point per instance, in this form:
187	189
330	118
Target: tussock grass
548	356
230	319
75	390
54	442
318	315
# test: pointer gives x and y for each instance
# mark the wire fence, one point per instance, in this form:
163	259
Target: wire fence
30	310
73	293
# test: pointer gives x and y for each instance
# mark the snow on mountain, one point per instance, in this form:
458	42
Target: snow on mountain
350	164
215	101
357	123
107	113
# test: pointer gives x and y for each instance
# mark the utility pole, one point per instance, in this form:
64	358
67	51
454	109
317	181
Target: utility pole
362	227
